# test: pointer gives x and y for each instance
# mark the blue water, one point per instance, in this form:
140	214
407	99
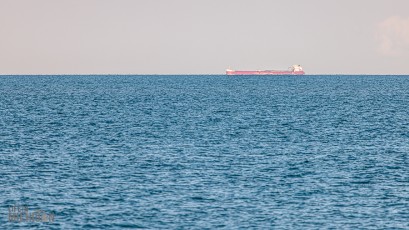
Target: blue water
197	152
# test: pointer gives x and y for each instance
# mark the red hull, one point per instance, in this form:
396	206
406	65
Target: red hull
263	72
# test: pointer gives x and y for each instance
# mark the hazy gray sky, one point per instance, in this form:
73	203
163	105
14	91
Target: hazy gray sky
203	36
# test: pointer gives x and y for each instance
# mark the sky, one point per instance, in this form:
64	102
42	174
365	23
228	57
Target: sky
203	36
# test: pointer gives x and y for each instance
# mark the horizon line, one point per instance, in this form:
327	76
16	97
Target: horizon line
186	74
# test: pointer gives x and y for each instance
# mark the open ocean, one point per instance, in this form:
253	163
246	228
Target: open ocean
206	152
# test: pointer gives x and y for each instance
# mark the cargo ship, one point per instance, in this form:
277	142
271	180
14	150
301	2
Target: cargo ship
292	70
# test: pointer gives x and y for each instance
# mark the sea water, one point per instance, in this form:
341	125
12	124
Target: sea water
197	152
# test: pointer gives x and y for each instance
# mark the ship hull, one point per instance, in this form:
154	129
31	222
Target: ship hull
263	72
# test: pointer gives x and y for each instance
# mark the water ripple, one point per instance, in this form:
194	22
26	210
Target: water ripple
206	151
